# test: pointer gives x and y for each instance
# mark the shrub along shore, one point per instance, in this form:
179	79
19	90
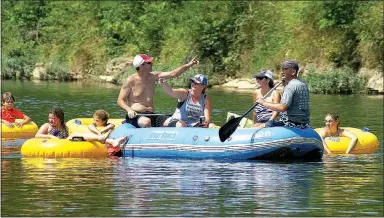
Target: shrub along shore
334	41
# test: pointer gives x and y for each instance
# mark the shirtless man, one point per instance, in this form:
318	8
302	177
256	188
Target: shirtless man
136	94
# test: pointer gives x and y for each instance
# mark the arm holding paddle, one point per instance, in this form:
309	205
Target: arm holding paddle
124	92
273	106
255	97
227	129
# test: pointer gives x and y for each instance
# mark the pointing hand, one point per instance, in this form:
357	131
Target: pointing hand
194	61
162	80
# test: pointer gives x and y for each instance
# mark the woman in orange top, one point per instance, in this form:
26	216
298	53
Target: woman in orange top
9	113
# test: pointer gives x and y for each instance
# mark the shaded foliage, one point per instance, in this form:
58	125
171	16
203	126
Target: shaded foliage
342	80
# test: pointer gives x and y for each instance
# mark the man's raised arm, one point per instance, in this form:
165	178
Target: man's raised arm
178	71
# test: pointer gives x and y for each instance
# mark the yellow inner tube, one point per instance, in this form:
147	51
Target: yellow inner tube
366	142
62	148
28	130
244	123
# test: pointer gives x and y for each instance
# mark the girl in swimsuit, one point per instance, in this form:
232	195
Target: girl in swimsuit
56	128
332	129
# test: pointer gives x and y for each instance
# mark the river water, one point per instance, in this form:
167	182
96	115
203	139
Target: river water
338	185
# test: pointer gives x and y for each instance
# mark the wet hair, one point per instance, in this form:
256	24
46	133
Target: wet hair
102	115
59	113
335	116
6	96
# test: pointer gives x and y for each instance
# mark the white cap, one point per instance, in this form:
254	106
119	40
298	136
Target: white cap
140	59
264	73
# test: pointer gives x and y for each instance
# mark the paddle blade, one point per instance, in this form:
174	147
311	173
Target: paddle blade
227	129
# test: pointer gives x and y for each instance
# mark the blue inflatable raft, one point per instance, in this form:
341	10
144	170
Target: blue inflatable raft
202	143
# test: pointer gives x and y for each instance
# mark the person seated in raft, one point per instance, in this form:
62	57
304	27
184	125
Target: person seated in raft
193	104
9	113
56	128
294	104
137	93
262	114
332	129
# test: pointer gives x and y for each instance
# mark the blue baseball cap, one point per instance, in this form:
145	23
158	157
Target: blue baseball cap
199	79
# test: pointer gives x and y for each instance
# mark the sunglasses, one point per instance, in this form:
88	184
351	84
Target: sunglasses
150	63
196	83
261	78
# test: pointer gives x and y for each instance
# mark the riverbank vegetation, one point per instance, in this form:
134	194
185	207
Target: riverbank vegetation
232	39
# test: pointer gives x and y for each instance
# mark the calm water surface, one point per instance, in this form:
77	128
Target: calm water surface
339	185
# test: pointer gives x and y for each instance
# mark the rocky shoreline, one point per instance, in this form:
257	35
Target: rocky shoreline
115	68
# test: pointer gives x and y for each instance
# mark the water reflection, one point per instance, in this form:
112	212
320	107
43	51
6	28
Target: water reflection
11	145
350	185
57	187
364	188
184	188
160	187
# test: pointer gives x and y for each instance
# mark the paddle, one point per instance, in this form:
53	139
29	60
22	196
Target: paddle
149	115
227	129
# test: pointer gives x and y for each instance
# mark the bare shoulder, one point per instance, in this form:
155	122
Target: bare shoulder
276	93
256	92
129	82
345	132
322	132
45	127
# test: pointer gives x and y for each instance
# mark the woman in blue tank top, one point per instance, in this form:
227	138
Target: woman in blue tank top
262	114
194	106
